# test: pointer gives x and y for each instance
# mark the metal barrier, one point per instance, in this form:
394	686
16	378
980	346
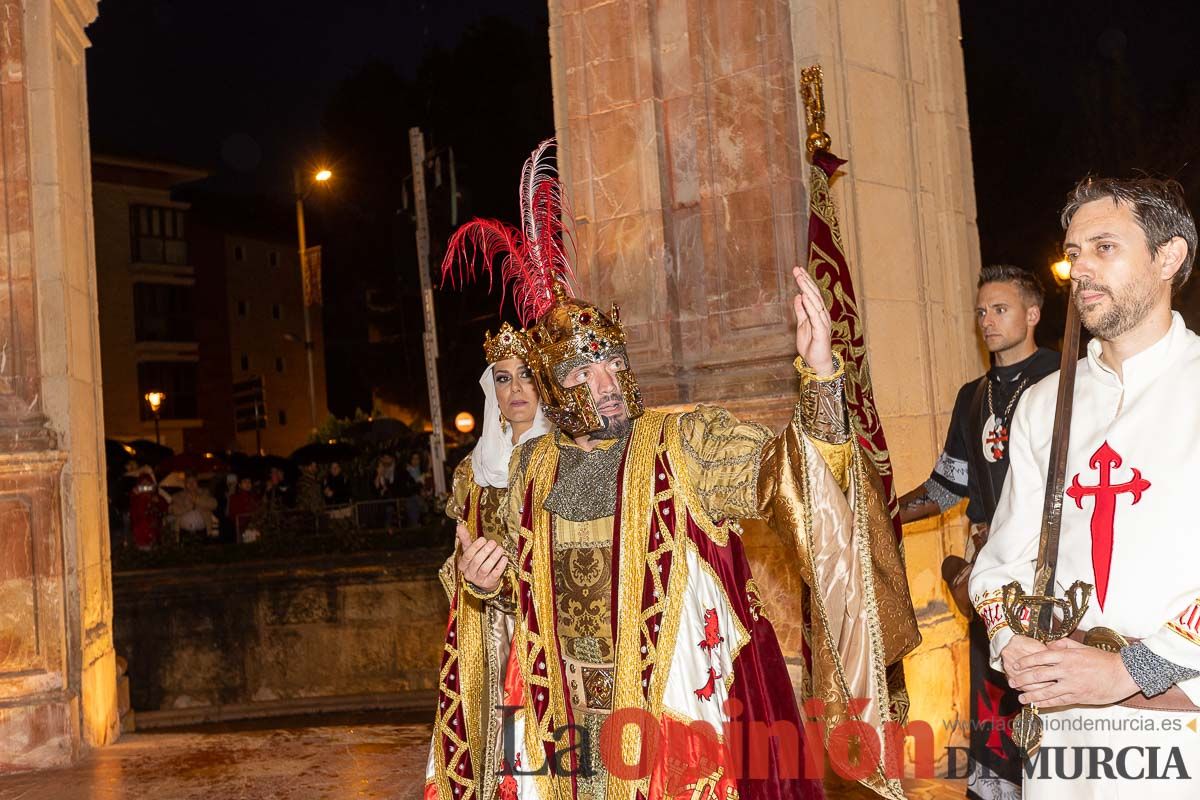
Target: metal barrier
373	515
366	515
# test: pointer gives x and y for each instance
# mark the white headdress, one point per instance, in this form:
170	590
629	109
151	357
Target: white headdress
489	459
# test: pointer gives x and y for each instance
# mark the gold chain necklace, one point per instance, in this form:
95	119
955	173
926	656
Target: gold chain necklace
1012	402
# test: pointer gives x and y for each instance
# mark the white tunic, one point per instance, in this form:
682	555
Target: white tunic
1140	435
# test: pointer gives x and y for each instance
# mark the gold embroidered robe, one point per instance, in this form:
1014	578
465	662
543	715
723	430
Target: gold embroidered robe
684	482
471	678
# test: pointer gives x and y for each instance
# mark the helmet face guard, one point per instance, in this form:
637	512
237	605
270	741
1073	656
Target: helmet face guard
573	410
571	334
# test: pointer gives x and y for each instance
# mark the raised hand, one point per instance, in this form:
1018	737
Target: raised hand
482	561
814	331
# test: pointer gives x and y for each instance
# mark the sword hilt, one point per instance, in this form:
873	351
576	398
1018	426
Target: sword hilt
1024	612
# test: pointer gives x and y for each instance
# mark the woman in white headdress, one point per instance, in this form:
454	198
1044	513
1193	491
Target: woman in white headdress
512	414
480	631
531	260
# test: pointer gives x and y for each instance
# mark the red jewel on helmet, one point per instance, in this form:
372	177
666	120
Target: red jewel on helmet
595	347
585	318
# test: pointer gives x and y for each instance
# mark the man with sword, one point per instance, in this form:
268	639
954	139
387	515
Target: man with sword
1116	523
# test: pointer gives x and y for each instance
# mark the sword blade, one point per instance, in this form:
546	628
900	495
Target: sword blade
1056	474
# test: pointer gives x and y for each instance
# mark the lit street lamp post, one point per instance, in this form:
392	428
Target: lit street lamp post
155	401
301	192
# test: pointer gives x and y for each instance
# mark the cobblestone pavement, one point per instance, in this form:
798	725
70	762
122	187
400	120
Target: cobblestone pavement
329	759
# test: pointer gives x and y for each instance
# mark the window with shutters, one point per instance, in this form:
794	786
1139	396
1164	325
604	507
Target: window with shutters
158	235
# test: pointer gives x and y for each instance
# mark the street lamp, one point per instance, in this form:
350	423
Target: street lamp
155	401
1061	270
302	188
464	422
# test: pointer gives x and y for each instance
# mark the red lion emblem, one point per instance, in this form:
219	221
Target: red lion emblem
712	631
705	692
507	790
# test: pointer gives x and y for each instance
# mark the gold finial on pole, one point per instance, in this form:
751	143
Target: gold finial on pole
812	89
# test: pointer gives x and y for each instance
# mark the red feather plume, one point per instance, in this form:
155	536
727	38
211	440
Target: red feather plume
531	259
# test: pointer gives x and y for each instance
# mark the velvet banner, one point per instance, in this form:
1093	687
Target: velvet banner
827	264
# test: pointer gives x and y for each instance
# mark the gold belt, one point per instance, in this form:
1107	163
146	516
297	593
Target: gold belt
591	685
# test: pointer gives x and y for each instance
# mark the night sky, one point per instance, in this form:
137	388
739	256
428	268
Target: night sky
248	89
242	86
1060	90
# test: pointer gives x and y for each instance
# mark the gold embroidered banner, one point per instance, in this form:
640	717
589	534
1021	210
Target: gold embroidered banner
827	264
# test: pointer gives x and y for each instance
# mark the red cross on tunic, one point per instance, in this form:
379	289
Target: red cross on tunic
1105	460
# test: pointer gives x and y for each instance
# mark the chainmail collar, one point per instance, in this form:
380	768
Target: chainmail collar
586	488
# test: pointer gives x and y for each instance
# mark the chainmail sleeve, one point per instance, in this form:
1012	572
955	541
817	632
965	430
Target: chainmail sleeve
1151	672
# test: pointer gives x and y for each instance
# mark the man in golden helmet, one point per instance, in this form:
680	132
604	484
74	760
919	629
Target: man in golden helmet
642	648
574	339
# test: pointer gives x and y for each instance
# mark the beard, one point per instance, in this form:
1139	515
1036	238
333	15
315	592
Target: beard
616	425
1128	307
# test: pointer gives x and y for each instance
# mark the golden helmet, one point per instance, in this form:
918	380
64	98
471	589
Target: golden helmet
573	333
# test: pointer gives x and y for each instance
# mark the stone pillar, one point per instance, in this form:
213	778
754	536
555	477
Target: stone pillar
682	134
896	98
57	677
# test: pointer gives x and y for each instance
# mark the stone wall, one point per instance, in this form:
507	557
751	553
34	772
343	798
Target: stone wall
70	341
263	639
57	667
682	136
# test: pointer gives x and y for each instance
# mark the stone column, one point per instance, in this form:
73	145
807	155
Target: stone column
896	98
682	136
57	678
683	159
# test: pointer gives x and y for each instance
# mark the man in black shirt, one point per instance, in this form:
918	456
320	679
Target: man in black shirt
973	465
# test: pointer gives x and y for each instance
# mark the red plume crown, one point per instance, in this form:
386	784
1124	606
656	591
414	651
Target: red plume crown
532	258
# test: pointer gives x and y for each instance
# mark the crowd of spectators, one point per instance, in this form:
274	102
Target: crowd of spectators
231	507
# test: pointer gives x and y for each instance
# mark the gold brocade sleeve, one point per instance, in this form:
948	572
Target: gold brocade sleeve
460	489
507	519
486	517
448	575
724	455
464	479
821	416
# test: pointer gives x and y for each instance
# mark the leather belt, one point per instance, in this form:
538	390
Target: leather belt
1173	699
